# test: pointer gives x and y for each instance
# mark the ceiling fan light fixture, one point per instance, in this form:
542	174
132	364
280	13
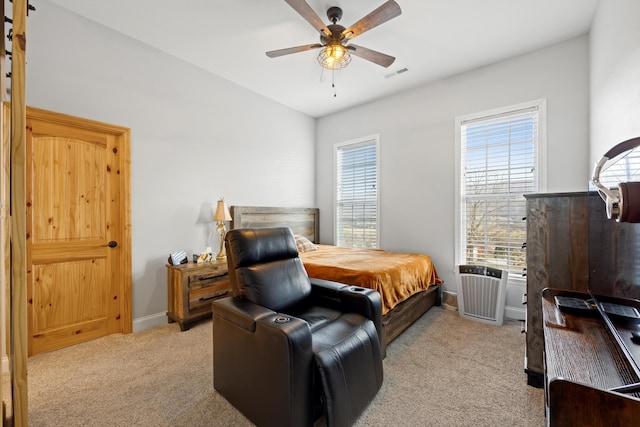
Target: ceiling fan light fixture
334	52
334	56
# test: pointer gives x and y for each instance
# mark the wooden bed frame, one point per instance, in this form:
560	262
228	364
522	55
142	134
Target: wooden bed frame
305	221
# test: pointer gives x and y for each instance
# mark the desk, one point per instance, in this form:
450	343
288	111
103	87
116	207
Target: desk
582	362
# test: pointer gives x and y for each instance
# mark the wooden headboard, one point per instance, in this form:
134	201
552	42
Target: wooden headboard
303	221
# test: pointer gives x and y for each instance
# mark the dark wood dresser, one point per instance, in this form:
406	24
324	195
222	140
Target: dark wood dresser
558	257
571	245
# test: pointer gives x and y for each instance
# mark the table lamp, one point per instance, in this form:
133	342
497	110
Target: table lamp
222	214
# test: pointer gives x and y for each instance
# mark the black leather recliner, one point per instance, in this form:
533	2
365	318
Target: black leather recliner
287	349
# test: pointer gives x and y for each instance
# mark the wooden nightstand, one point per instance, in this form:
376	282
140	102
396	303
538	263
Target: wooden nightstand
191	288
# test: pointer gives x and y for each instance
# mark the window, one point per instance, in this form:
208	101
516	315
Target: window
622	168
356	165
500	155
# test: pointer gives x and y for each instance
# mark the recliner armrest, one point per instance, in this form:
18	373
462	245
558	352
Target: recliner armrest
356	299
327	290
240	312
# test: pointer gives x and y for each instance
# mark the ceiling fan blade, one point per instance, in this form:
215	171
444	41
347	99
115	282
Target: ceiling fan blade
387	11
303	8
379	58
290	50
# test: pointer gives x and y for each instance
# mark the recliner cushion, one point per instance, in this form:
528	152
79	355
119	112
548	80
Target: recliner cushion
349	362
258	245
316	316
276	285
264	267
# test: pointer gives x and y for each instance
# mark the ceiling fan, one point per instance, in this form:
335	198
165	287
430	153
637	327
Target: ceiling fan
335	40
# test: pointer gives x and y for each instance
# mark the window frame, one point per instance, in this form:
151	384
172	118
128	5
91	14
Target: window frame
375	140
541	105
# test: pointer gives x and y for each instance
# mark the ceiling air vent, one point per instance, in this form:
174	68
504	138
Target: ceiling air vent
395	73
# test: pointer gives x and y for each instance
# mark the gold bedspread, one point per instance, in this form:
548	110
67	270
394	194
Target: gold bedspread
396	276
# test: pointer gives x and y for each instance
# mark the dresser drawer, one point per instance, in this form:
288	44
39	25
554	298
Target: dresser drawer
202	296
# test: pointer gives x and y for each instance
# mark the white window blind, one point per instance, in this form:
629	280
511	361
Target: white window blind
624	168
499	164
357	194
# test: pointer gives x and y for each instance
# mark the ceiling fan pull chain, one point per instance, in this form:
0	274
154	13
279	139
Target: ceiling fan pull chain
333	82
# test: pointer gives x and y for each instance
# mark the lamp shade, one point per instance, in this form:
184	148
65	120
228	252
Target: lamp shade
222	212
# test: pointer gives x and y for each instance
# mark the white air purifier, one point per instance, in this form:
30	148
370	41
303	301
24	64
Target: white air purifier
481	293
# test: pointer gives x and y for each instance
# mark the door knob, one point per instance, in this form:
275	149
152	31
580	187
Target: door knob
112	244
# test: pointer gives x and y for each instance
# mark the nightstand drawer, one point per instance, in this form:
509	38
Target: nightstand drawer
202	297
207	279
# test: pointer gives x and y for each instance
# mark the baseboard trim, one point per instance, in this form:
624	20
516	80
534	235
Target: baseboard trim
450	307
450	300
150	321
515	313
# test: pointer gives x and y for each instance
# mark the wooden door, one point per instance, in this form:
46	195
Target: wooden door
78	230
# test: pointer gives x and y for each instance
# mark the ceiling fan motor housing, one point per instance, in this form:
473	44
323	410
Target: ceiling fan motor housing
336	34
334	14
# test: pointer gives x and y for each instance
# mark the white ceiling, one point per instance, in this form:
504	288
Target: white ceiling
431	38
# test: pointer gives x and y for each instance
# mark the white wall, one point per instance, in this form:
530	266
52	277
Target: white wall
194	138
416	131
615	75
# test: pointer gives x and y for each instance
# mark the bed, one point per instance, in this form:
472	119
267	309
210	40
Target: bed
408	283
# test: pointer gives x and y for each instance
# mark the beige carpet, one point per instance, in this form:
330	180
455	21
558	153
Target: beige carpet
443	371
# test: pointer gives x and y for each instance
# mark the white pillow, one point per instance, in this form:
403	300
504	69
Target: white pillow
304	244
